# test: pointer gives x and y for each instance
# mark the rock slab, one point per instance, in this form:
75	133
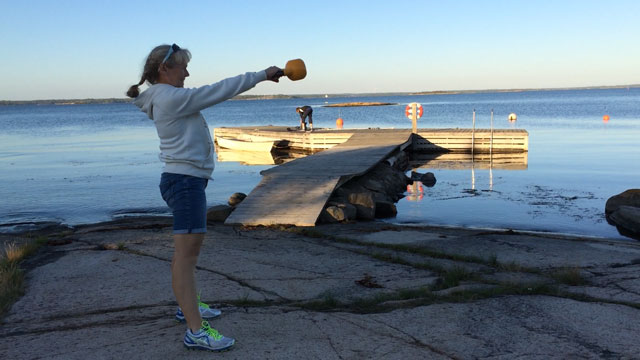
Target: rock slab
623	211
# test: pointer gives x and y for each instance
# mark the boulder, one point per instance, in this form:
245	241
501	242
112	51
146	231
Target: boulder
399	161
385	209
337	213
218	213
630	197
386	180
384	185
330	215
364	204
350	211
349	188
627	220
375	184
236	198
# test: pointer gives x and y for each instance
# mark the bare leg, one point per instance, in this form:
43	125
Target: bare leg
183	267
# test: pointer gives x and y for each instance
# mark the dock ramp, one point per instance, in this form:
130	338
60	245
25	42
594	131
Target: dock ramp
296	192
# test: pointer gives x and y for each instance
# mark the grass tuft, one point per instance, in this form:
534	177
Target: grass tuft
493	261
325	303
11	285
452	278
12	253
11	276
569	276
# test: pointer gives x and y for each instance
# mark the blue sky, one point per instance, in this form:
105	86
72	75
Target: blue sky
96	49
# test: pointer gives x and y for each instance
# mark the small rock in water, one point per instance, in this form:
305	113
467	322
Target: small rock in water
428	179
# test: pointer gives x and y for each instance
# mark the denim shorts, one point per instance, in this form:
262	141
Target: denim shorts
187	200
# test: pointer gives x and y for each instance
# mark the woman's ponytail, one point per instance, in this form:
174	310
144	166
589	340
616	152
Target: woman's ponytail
155	58
133	91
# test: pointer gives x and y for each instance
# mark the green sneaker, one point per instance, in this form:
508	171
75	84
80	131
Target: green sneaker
206	312
207	338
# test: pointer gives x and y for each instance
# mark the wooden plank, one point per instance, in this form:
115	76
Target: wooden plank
271	202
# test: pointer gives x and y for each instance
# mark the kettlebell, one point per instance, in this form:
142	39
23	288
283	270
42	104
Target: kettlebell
294	70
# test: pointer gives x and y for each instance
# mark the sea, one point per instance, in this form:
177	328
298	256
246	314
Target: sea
86	163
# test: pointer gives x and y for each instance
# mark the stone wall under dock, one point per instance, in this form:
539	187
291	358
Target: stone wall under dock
371	195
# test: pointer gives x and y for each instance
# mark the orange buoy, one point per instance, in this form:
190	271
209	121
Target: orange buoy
605	118
339	123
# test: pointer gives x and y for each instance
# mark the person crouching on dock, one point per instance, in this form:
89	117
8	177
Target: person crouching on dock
305	111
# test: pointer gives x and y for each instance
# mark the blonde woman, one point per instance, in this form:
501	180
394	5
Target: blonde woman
187	150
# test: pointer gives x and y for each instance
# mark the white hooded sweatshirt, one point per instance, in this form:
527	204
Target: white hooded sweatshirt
186	146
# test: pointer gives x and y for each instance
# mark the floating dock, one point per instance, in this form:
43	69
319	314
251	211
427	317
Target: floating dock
427	140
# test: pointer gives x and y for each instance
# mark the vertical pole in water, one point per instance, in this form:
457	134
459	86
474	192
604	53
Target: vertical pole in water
473	133
491	143
414	118
491	155
473	139
414	126
414	132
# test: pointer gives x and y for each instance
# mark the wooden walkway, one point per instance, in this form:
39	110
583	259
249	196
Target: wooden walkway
295	193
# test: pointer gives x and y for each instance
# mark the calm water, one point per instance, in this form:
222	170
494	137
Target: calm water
86	163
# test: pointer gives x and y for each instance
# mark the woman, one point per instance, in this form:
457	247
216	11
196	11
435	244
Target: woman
187	150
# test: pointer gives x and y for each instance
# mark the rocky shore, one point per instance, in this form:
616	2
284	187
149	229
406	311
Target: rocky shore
349	288
336	291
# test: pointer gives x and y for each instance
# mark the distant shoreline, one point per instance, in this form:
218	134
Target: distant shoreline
307	96
351	104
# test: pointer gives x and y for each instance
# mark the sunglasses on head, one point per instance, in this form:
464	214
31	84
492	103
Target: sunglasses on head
173	49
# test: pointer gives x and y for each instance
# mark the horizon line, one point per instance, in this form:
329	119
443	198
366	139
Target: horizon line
350	94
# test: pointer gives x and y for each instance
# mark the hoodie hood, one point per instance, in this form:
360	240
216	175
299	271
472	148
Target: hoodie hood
143	101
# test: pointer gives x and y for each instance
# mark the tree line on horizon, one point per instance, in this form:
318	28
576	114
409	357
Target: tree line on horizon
282	96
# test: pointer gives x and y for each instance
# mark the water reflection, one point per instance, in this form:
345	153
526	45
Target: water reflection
458	161
471	161
273	157
415	191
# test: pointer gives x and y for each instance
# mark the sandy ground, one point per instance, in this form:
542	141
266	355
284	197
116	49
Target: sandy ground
348	291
